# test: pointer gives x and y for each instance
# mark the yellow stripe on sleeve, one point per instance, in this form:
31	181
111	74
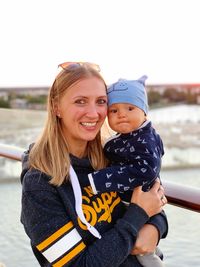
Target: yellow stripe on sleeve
54	236
70	255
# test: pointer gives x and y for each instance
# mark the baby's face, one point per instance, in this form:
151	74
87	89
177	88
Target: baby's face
125	118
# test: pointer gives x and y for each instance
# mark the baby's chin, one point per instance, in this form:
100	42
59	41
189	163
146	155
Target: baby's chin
124	130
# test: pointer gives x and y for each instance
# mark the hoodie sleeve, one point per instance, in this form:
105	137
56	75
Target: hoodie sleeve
57	240
140	166
161	223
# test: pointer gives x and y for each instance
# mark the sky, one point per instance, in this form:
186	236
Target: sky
127	38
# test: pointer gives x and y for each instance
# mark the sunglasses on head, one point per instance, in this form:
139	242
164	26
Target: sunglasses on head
71	65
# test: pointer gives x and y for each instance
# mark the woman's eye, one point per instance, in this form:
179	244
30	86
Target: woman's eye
102	101
80	101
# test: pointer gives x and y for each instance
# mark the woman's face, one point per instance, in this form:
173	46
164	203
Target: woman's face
82	110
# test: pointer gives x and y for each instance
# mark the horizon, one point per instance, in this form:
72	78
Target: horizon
147	85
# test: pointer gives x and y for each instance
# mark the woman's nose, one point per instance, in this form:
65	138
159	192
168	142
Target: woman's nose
92	111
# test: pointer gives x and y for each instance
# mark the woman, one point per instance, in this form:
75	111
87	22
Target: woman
110	235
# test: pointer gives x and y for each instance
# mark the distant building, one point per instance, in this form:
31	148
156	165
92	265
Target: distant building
34	91
194	88
4	95
18	103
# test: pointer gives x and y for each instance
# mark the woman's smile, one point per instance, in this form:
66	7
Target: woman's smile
89	124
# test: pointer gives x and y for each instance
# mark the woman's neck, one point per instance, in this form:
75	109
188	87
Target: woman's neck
79	151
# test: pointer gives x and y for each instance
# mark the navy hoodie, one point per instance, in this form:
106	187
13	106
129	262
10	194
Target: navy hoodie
57	236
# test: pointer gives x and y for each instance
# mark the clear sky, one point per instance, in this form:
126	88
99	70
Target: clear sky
127	38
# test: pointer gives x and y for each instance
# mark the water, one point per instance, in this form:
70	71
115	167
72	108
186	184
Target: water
181	247
14	245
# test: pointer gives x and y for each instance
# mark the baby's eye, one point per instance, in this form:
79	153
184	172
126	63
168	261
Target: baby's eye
112	111
130	108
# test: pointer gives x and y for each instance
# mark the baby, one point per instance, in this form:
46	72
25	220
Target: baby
134	152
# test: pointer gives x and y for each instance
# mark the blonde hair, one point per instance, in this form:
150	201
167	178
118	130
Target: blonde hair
50	153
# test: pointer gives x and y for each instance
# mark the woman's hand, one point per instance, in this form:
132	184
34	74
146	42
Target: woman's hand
152	201
146	241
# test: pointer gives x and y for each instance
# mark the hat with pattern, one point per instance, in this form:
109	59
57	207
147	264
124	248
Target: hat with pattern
129	91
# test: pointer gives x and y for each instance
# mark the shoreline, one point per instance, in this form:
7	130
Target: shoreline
179	168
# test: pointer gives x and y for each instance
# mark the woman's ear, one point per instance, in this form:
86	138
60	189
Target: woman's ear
56	109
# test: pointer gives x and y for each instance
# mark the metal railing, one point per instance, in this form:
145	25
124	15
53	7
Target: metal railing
183	196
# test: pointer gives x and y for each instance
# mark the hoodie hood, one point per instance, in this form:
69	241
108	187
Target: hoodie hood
25	162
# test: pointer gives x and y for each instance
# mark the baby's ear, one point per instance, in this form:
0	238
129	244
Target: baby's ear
142	79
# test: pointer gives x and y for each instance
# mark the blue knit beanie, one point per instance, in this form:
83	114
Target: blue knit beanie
129	91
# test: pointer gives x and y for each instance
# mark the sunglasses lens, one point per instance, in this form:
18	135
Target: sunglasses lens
72	65
66	65
93	65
